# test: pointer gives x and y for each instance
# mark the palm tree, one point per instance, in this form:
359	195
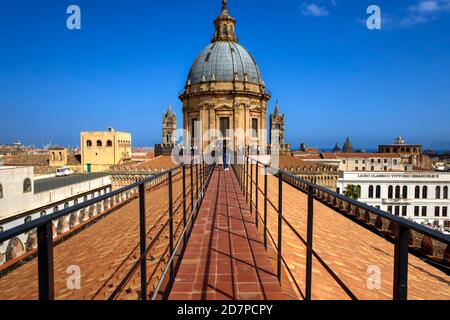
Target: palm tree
352	191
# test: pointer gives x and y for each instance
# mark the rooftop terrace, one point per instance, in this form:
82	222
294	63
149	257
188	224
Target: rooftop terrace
192	233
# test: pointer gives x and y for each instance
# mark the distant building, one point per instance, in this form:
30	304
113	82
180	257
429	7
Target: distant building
411	153
347	147
169	127
276	129
362	161
102	149
422	196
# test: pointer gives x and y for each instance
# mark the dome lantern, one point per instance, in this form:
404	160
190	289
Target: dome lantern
224	26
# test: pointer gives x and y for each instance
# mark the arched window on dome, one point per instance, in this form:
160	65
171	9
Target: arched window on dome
225	30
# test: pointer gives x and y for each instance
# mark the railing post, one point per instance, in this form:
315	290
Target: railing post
280	222
251	186
45	261
309	242
256	194
401	263
196	183
191	169
184	206
142	241
265	206
172	275
246	180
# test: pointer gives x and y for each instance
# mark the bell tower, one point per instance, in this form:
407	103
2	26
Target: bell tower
169	126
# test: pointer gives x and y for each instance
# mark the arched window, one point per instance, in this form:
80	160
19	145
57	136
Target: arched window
378	192
52	156
224	30
27	185
424	192
405	192
438	192
85	198
27	219
397	192
417	192
99	143
89	143
1	191
60	156
109	143
390	192
43	213
75	201
66	205
55	209
445	192
370	191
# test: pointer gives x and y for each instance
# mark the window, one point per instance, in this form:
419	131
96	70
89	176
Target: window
395	162
397	192
43	213
27	219
385	168
438	192
397	210
372	160
255	128
390	192
405	192
385	160
370	191
55	209
424	211
404	211
378	192
364	161
193	128
1	230
99	143
85	198
437	211
416	211
444	211
66	205
27	185
1	191
356	161
207	57
424	192
379	160
417	192
89	143
356	168
224	126
343	161
445	195
109	143
389	209
372	168
75	201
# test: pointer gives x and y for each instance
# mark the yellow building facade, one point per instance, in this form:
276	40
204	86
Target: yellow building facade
102	149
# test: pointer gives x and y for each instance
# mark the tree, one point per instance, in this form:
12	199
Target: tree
352	191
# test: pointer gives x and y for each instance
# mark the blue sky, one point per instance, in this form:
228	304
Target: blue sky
333	77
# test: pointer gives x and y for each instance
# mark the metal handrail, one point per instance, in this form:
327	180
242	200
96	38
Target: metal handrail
45	241
401	240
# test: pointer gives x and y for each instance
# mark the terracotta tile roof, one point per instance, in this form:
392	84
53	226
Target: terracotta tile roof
288	162
367	155
161	163
104	252
349	249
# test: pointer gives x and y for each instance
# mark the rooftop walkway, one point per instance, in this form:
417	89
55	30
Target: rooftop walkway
225	257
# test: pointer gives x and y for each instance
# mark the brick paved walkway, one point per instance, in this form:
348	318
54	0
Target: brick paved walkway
225	257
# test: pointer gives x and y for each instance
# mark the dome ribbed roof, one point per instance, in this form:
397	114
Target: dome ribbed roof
224	61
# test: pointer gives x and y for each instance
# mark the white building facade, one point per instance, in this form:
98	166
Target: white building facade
421	196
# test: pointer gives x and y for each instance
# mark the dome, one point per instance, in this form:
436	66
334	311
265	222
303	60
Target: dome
224	61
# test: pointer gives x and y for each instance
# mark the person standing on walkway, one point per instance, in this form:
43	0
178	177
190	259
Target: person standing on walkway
225	162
